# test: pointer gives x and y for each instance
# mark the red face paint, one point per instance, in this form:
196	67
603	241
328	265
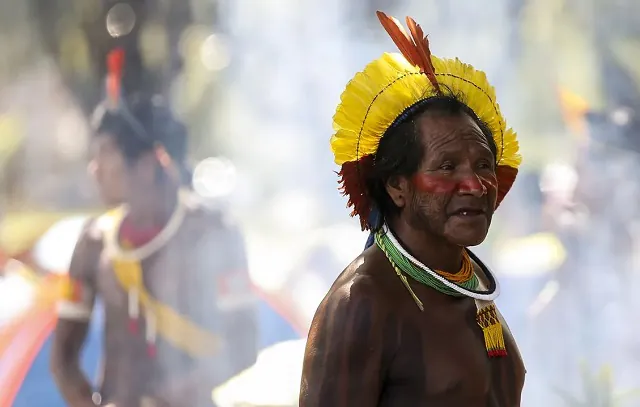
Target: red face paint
490	182
437	184
472	185
434	184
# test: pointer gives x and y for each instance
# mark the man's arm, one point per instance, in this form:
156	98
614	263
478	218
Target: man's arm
74	314
68	339
346	354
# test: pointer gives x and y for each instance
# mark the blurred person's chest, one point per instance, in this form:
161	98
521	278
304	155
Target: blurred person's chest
176	277
174	274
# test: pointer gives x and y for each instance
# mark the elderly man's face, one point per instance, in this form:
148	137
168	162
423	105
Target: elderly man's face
453	194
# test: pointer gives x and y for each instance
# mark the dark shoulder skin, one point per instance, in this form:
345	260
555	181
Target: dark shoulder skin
370	345
353	339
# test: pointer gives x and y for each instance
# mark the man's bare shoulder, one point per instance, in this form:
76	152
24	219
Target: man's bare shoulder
90	240
204	218
355	331
368	277
93	229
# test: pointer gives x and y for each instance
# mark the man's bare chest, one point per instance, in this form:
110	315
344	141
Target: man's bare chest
442	360
168	275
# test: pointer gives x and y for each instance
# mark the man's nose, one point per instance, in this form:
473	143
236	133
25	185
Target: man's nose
470	184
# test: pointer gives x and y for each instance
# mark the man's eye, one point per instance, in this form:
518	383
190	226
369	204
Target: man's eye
447	167
484	165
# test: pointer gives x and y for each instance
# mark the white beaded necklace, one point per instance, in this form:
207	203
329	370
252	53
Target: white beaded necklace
140	253
482	296
115	251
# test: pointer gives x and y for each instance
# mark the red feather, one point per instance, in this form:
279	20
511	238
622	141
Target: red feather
352	185
506	176
422	46
414	48
115	68
400	37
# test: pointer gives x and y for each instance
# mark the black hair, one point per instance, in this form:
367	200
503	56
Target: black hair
141	124
401	151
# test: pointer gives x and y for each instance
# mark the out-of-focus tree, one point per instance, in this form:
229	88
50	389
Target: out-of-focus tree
52	75
172	47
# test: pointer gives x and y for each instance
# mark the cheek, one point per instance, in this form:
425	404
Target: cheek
490	182
113	174
433	184
114	170
100	169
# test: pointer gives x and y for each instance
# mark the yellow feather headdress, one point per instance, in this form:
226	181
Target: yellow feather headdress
388	87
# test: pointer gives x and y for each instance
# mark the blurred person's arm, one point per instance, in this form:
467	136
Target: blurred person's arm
74	314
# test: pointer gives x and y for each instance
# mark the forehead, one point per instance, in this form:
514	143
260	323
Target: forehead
449	131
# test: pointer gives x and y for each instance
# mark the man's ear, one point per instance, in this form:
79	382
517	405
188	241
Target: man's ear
398	188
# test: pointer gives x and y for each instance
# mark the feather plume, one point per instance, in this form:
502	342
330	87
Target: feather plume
352	185
400	37
422	46
414	48
506	176
115	68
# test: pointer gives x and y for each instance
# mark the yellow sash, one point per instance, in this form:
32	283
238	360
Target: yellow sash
173	327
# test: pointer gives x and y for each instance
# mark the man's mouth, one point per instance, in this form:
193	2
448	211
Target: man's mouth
468	212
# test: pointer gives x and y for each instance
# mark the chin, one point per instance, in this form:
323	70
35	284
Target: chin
111	201
468	241
467	235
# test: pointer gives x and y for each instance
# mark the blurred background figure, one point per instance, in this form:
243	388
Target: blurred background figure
256	84
172	273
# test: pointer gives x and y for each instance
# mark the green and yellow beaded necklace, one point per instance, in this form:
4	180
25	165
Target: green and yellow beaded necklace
462	284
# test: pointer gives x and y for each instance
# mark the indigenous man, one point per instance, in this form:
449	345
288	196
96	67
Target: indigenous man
172	275
426	158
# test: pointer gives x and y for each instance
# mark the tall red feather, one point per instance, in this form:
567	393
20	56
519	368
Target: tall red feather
414	48
115	69
422	46
400	37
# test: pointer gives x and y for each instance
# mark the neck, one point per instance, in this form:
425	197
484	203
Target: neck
430	250
152	208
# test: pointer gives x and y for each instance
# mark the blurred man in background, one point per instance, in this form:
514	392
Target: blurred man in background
171	272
